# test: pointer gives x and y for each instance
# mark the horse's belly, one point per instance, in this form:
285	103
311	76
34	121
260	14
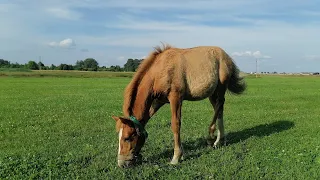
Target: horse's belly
201	86
201	76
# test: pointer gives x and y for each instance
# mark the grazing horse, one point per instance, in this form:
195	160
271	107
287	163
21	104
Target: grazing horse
172	75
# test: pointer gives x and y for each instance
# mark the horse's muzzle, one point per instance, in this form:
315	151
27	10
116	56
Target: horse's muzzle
125	163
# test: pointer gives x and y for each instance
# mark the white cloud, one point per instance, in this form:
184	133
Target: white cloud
312	57
150	25
129	22
6	7
66	43
84	50
64	13
255	54
153	5
234	25
310	13
120	58
185	33
246	53
53	44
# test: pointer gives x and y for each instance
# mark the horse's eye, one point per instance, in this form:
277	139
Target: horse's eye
128	139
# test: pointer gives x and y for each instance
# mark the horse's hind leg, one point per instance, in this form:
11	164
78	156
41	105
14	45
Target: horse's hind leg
217	101
212	127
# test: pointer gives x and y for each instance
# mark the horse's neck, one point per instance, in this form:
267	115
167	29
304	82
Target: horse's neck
143	101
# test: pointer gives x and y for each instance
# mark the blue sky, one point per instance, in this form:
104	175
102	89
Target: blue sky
283	35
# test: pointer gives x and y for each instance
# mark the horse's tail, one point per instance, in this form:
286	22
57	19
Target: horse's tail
236	84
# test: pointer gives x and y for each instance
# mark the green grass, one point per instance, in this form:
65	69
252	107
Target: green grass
10	70
61	74
61	128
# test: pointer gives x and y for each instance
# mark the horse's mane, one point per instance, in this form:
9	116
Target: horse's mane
131	90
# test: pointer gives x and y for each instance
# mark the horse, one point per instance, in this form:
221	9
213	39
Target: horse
170	75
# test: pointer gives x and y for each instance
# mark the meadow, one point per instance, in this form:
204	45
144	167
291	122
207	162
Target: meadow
59	126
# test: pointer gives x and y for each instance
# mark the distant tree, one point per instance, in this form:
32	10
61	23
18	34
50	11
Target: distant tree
65	67
115	68
90	64
4	63
79	65
132	64
32	65
103	68
118	68
129	66
16	65
41	65
52	67
136	63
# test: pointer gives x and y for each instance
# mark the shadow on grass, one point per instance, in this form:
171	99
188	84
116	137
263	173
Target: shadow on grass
198	147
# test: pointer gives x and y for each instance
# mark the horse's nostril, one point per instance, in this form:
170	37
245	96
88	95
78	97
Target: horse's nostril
128	163
121	163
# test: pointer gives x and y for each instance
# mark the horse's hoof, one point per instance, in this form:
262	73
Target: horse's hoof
216	146
210	141
176	161
219	144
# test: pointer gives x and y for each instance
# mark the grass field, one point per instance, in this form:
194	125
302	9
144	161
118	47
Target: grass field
61	128
11	72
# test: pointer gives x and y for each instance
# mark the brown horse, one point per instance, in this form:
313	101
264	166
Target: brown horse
172	75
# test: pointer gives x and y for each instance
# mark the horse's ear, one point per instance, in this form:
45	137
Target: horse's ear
123	120
116	118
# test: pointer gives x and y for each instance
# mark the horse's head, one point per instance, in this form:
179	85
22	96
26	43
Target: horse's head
132	136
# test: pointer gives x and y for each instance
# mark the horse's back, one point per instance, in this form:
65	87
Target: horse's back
193	71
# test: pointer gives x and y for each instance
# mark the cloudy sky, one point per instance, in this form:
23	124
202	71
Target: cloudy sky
284	35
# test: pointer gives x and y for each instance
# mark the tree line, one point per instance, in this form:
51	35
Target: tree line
89	64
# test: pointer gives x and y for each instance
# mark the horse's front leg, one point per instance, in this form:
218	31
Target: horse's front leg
155	106
175	104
